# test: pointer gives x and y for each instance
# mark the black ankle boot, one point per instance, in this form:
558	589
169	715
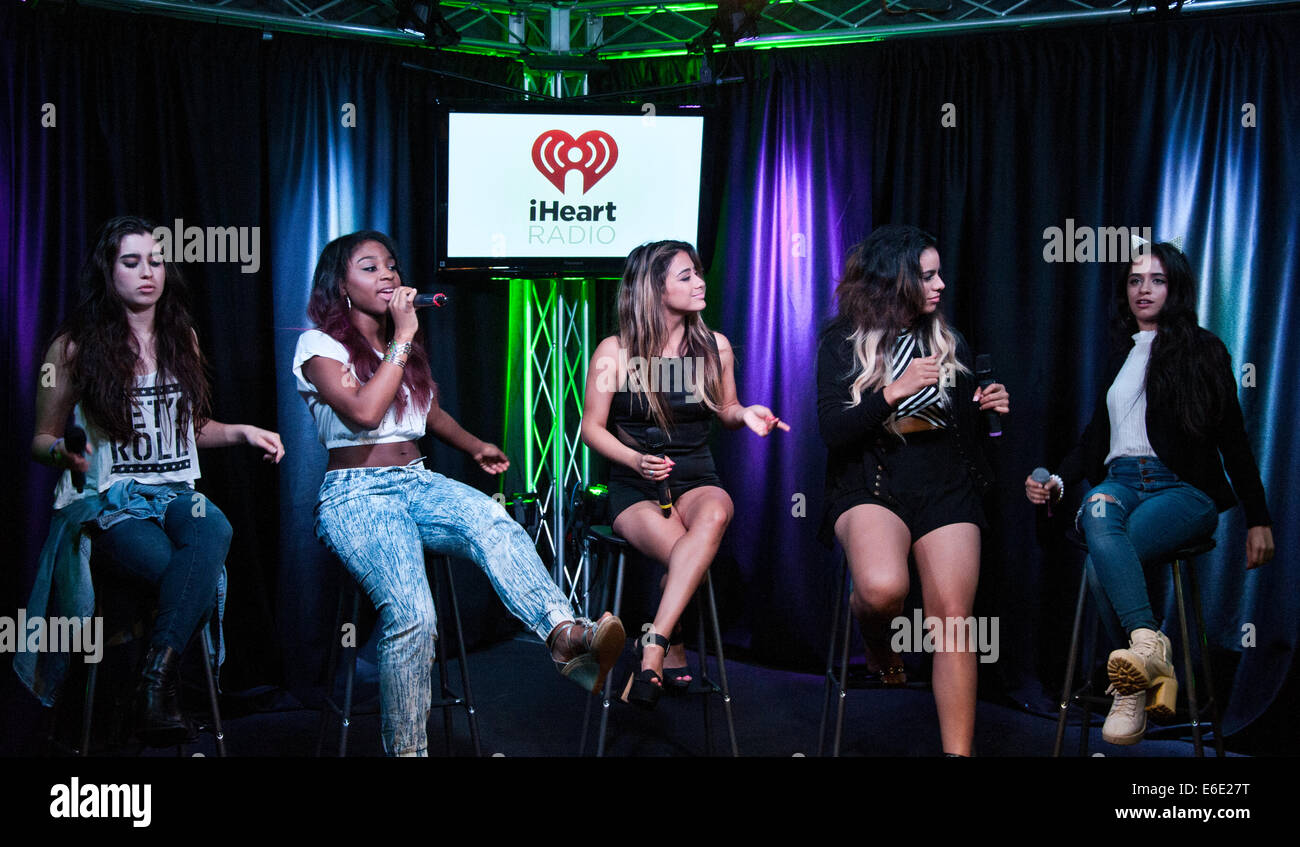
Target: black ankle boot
159	721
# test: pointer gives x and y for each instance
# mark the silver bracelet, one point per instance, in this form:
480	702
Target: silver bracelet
1060	486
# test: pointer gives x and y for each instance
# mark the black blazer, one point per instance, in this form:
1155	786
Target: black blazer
1194	460
859	443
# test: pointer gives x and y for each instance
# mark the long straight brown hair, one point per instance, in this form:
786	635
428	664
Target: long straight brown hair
643	332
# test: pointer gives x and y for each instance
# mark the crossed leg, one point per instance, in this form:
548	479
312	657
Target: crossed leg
685	543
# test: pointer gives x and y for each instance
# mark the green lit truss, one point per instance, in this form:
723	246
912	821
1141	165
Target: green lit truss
621	29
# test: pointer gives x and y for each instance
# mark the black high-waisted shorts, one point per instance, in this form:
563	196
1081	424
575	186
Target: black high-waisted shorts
926	482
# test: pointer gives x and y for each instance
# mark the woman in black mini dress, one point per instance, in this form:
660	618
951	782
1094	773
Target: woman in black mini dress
652	393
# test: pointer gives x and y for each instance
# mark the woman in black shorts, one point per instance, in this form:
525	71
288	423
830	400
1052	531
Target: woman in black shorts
652	393
905	470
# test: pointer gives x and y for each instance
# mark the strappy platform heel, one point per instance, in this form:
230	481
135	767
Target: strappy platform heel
644	687
597	648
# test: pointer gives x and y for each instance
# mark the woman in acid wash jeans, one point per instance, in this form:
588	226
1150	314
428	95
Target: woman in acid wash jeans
380	509
127	363
1153	449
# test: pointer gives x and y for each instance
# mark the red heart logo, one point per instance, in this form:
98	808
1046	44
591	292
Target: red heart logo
592	154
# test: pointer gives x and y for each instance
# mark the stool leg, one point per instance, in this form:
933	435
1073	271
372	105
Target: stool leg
844	675
1205	661
470	711
351	661
604	705
440	656
1187	661
702	646
209	661
830	659
331	667
1089	662
1067	689
91	678
604	596
722	665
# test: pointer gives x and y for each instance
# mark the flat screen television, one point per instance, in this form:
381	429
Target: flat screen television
563	193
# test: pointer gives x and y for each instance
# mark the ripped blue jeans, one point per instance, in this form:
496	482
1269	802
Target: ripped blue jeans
1153	513
379	522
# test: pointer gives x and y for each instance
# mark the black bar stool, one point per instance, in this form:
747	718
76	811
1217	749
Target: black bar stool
838	683
350	595
1083	696
209	663
607	541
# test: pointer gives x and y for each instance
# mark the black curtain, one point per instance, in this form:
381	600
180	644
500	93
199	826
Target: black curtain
988	141
219	126
985	140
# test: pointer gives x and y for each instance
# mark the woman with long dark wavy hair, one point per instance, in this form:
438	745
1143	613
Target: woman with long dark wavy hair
1155	450
899	410
126	362
379	509
652	393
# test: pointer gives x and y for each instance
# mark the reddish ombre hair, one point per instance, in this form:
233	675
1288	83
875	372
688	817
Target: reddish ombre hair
328	309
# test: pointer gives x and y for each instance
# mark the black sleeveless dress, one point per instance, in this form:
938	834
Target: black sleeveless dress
686	443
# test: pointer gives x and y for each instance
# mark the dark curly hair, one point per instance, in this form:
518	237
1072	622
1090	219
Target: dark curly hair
102	361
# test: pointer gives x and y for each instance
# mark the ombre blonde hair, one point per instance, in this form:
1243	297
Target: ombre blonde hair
643	333
880	295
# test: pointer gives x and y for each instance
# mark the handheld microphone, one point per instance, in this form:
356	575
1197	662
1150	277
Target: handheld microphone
655	442
424	300
75	442
1042	477
984	375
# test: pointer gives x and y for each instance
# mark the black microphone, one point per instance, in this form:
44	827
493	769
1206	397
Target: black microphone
984	375
436	300
655	442
1042	476
75	442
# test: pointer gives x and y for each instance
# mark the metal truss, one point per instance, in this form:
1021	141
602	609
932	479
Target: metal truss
556	323
610	29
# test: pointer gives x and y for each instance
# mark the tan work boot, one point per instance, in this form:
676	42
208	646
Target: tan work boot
1146	664
1127	721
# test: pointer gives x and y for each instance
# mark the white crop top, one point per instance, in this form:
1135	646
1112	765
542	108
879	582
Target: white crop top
156	454
333	430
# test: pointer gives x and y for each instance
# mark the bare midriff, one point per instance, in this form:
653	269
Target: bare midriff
373	455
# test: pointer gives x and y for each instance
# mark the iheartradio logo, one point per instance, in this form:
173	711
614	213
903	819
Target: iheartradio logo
593	154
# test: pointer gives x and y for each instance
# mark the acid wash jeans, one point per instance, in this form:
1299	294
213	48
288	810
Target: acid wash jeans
379	522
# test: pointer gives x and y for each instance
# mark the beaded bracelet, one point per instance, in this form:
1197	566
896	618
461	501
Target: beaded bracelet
54	456
1060	487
